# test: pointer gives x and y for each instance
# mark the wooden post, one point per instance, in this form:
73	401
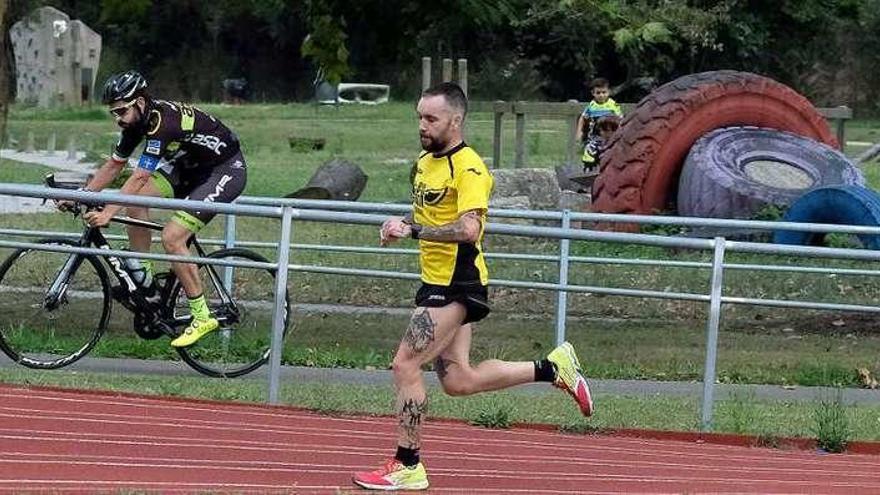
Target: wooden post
497	137
463	75
519	158
447	69
71	148
50	144
426	73
841	125
572	139
30	147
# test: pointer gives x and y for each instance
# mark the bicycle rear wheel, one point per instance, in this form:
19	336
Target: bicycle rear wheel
44	326
242	343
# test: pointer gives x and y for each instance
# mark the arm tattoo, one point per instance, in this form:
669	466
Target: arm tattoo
441	367
420	332
410	422
456	231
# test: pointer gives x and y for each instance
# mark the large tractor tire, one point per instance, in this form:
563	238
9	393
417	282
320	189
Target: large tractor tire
734	172
640	169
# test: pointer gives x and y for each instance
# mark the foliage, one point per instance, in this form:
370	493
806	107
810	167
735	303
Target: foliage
825	49
325	43
831	427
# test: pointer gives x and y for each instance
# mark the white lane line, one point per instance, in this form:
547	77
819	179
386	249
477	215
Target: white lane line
511	460
173	487
459	474
726	457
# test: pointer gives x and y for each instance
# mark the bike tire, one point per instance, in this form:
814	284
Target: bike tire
259	335
55	347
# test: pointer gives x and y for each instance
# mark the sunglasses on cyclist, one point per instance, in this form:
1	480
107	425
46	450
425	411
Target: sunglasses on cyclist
120	111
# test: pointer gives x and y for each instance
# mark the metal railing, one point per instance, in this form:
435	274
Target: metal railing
289	211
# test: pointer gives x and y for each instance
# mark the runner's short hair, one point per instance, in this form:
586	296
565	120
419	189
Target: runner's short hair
453	93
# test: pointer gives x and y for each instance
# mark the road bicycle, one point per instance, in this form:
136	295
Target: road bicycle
55	307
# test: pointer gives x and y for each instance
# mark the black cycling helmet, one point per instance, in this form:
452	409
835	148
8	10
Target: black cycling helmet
124	86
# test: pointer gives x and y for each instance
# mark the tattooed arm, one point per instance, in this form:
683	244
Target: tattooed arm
465	229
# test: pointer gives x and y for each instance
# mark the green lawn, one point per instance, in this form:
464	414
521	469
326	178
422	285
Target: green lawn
619	337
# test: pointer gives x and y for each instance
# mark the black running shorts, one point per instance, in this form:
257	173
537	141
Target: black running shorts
474	297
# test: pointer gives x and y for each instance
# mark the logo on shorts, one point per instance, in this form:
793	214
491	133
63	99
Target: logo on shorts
436	297
153	146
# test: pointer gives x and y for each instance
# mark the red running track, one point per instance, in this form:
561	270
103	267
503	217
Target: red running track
82	442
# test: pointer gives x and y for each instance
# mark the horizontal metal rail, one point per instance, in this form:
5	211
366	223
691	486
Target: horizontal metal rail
288	211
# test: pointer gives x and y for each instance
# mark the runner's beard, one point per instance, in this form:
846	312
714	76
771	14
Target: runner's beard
431	144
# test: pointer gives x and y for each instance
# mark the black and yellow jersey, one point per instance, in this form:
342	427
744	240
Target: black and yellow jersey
178	136
444	187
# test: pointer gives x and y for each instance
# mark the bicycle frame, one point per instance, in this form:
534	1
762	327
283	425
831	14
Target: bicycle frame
92	236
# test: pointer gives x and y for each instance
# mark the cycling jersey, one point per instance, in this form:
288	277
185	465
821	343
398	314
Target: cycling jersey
444	187
178	136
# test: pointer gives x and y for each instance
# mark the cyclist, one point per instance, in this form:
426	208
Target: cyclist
188	154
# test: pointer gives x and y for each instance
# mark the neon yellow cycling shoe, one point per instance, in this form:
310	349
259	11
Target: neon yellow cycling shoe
196	330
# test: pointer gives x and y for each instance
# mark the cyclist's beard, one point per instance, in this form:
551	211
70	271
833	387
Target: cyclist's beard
136	122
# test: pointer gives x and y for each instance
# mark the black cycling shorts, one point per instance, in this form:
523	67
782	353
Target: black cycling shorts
221	183
474	297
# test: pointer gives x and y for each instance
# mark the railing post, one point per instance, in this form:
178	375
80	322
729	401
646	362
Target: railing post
562	295
520	139
712	333
280	298
229	243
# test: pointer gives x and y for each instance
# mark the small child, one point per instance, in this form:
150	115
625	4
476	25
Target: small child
603	129
602	105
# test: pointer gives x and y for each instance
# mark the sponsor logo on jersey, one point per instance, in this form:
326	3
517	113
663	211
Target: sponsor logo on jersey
154	146
148	162
213	143
221	186
424	196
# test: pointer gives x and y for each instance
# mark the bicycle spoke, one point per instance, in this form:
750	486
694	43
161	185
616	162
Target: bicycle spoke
242	342
35	335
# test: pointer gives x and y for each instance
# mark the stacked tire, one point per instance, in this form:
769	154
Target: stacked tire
640	171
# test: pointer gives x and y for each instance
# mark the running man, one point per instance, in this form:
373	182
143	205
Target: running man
450	190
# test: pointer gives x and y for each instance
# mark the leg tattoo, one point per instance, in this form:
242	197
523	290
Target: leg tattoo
410	422
420	332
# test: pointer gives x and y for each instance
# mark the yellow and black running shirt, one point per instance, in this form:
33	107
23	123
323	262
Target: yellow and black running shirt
444	187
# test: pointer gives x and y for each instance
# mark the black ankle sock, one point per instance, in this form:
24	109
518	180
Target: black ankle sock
407	457
545	371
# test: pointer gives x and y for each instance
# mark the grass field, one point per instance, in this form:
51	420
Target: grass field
618	337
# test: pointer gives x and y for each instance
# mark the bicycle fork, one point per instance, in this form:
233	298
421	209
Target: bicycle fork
58	290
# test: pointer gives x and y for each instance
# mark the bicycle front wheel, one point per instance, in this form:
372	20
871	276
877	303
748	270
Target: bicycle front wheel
242	343
53	306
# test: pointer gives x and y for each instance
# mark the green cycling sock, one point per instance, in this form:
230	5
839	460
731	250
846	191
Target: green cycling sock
199	307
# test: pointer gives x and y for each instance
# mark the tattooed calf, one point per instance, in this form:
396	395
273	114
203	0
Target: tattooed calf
410	422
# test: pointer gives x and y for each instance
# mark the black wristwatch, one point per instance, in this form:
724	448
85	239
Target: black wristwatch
415	230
